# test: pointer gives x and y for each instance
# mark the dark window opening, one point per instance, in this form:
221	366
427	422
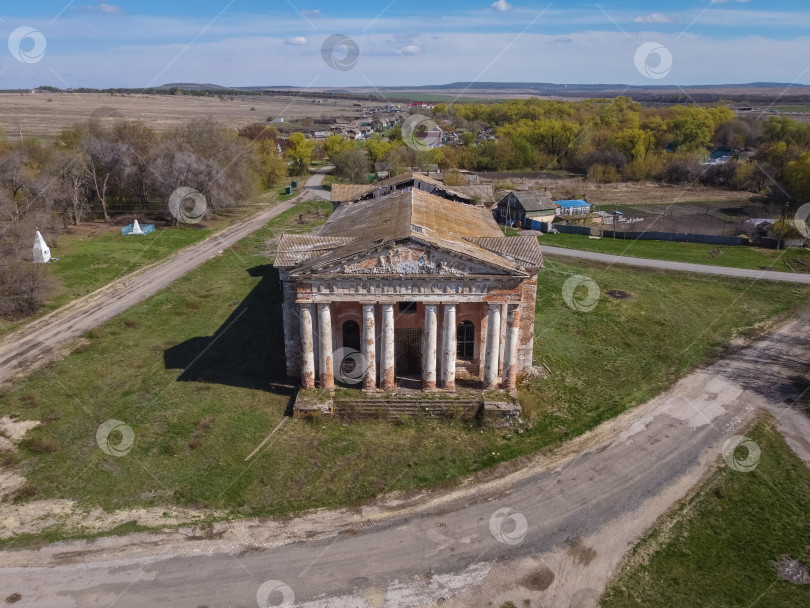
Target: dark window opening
465	341
408	308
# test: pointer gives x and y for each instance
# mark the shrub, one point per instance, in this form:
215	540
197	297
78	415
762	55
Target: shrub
39	444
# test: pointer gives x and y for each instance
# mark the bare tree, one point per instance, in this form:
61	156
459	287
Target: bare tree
106	163
352	165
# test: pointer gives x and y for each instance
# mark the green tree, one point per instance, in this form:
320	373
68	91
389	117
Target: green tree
272	166
377	148
300	153
635	142
335	144
692	128
797	174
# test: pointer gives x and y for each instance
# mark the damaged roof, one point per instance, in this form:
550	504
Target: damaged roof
360	228
342	193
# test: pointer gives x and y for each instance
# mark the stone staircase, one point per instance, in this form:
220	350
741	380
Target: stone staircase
392	409
468	407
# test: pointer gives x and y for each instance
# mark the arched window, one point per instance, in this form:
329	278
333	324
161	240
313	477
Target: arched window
351	335
465	340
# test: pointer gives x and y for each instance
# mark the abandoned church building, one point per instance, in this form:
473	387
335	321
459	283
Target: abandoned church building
422	284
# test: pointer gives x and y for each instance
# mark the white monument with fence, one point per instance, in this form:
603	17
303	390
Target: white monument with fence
136	228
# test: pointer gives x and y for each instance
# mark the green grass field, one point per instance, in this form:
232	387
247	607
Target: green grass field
197	371
719	547
796	108
789	260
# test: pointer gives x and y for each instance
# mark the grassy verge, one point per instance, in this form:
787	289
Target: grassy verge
791	260
197	372
719	547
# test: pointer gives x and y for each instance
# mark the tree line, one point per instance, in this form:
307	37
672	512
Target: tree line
608	140
105	168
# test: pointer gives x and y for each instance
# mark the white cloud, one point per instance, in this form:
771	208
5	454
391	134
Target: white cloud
655	18
501	6
311	12
103	7
296	41
411	49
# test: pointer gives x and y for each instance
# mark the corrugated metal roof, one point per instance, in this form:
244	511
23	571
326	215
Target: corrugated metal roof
420	217
348	192
521	248
483	192
572	203
295	248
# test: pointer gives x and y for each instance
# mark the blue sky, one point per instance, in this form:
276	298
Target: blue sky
132	43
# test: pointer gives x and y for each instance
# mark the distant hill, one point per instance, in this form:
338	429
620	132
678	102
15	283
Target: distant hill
750	93
498	86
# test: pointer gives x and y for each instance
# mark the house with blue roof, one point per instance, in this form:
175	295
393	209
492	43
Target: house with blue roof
572	207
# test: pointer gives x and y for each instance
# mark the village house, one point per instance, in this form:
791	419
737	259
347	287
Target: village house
417	286
520	208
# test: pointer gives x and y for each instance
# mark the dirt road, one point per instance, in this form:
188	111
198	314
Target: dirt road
551	532
41	340
740	273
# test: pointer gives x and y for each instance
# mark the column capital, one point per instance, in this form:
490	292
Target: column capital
495	305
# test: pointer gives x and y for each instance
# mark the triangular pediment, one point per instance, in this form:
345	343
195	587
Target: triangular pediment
409	258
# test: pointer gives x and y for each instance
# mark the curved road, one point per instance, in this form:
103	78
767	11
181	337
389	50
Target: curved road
37	342
552	532
740	273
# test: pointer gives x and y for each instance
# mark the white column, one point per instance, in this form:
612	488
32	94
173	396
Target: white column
325	363
387	379
307	352
501	356
429	350
510	365
369	348
449	346
493	347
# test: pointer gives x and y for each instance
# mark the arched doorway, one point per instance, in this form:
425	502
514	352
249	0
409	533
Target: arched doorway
351	335
349	367
465	341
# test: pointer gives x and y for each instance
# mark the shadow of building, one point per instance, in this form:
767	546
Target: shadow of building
247	351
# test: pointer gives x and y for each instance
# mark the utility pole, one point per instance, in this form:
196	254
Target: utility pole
784	226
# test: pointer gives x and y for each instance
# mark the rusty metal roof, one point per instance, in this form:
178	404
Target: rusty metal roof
348	192
295	248
365	226
485	193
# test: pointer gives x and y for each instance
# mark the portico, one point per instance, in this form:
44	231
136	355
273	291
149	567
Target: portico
437	327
